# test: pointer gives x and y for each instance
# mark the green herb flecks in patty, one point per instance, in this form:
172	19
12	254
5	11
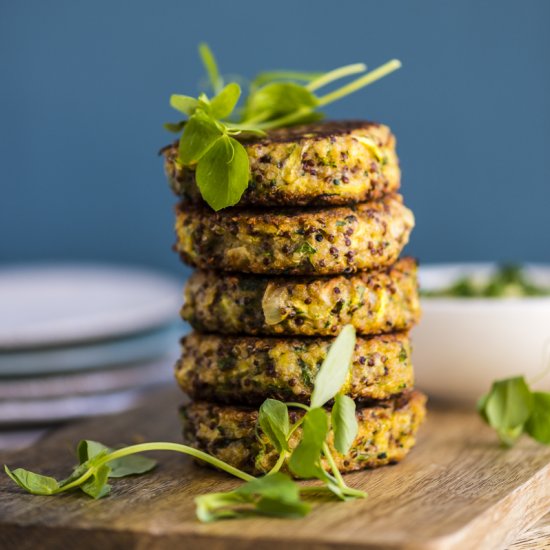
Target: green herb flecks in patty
508	281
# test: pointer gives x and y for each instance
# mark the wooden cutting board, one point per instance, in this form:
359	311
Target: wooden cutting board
457	489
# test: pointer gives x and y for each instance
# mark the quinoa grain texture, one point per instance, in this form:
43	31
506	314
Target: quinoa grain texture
373	302
247	369
387	431
328	163
320	241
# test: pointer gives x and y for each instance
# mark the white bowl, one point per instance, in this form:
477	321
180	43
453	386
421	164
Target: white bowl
463	344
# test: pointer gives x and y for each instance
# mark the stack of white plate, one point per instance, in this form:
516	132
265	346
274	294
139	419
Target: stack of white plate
82	340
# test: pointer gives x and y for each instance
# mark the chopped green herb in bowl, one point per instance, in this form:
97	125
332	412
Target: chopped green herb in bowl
480	322
508	280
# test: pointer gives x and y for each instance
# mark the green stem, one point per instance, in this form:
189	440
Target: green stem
286	120
336	74
254	121
279	463
333	467
295	426
298	406
232	126
299	422
270	76
361	82
338	476
160	446
365	80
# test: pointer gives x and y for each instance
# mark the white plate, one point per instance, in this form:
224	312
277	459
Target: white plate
48	411
59	304
16	439
89	382
99	355
463	344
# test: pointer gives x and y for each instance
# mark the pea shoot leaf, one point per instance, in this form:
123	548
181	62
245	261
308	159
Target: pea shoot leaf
335	367
134	464
507	407
344	423
96	486
538	425
271	495
222	173
36	484
305	461
131	465
274	421
184	103
481	406
216	506
224	103
87	449
274	486
278	99
199	135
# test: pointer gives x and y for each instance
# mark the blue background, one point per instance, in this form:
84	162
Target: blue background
85	87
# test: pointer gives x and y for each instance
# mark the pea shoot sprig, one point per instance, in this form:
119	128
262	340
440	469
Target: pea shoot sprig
302	452
512	408
276	99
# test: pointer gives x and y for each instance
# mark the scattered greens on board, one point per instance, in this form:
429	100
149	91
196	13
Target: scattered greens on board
275	99
512	408
274	494
507	281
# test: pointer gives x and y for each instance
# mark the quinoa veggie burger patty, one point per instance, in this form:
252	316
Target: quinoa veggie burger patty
314	241
247	369
373	302
320	164
387	431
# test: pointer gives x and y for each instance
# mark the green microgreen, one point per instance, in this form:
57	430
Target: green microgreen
335	368
275	99
272	495
209	62
538	423
512	408
96	464
506	281
305	461
344	423
302	447
274	422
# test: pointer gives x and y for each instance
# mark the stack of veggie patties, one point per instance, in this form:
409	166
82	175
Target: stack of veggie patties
313	245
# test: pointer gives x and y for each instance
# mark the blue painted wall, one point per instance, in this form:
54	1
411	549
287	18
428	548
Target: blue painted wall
84	89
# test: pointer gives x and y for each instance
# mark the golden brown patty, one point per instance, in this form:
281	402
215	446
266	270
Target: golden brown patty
320	164
387	431
299	242
248	370
373	302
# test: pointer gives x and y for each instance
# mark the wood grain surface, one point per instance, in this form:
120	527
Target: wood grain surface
457	489
535	538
